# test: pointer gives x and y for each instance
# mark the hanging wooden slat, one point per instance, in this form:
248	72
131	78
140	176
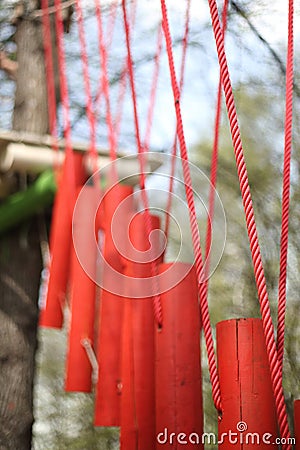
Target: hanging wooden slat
246	390
83	294
51	314
108	392
297	424
178	361
138	382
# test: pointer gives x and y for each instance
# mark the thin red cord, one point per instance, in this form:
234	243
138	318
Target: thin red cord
110	32
62	76
193	219
105	86
156	298
174	148
64	94
214	160
251	229
134	98
123	81
86	77
286	188
47	42
120	102
153	90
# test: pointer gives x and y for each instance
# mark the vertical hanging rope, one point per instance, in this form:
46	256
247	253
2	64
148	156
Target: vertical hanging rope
64	92
62	75
123	81
105	85
174	148
156	298
193	219
153	91
86	77
251	229
286	188
134	99
47	40
123	76
214	159
109	32
120	102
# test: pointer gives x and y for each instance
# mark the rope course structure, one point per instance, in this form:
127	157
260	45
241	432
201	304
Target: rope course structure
135	320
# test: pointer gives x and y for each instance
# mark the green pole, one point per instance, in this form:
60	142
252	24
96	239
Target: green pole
20	206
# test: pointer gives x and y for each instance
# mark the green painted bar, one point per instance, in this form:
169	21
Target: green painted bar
24	204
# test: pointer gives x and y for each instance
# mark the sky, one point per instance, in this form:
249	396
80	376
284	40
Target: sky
202	72
201	75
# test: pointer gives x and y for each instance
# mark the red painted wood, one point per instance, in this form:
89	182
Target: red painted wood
138	382
178	363
246	389
51	314
108	390
297	423
80	172
83	291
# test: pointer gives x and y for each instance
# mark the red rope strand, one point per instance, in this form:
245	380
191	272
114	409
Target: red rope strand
156	298
193	219
134	98
64	92
286	189
251	229
123	80
105	86
47	40
174	149
120	102
62	76
110	31
89	101
214	160
153	89
49	68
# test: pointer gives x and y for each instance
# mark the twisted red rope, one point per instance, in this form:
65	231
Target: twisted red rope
62	75
86	77
174	148
251	229
193	218
286	188
64	93
214	160
49	69
123	80
109	33
153	90
134	98
156	298
105	87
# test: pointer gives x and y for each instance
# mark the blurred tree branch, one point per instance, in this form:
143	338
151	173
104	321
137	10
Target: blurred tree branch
243	13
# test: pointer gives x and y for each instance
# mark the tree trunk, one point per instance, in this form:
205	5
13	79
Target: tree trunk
20	266
30	112
20	257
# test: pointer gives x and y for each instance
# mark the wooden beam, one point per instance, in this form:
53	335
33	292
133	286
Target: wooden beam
23	152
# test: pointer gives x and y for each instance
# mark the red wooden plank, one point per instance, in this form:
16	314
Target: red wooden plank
248	417
178	362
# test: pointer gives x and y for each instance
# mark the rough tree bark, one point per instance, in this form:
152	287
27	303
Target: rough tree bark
20	256
30	112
